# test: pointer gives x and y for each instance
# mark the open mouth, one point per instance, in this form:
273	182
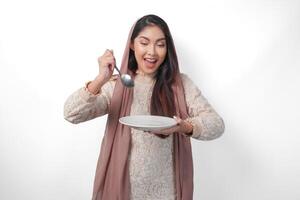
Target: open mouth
150	62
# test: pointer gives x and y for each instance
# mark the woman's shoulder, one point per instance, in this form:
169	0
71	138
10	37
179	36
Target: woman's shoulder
186	79
188	83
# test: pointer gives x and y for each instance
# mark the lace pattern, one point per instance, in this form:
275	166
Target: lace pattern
151	158
151	165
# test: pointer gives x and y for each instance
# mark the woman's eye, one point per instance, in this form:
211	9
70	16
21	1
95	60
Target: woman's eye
143	43
161	45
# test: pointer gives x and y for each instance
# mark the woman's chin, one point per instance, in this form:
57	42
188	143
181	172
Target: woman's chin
148	69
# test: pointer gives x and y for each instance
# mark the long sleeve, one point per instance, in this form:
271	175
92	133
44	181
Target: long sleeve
82	105
207	123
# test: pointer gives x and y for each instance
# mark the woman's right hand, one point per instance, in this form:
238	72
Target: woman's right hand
106	65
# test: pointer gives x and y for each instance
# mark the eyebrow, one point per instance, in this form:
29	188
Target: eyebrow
143	37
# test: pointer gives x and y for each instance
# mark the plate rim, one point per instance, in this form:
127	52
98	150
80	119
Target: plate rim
146	126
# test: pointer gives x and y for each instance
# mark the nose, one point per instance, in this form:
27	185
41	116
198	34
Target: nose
151	50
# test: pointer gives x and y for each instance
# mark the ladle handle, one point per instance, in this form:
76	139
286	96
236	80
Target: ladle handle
117	70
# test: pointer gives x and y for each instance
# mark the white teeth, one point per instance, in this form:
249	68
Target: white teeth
150	60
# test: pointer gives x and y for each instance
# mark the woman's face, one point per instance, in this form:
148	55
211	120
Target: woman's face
150	49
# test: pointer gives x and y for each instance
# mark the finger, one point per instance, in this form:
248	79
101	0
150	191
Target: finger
160	132
168	131
111	59
173	129
178	119
109	51
111	67
112	64
106	52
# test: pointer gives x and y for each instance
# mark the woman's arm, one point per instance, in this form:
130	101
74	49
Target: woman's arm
83	105
207	124
93	100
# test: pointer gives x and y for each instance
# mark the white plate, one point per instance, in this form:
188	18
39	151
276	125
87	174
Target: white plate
148	122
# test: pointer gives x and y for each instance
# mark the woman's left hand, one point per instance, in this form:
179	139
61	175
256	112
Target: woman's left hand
181	127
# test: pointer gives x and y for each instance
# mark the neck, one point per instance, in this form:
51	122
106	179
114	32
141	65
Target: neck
141	76
141	73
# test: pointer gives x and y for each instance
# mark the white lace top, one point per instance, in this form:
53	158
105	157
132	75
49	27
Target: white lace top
151	166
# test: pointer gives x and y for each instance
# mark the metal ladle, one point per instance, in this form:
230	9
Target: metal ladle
126	79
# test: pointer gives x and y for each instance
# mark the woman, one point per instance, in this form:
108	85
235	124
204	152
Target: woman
134	164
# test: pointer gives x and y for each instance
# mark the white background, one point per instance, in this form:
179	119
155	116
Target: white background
243	55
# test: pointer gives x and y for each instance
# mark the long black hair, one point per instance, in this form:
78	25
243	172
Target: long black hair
162	100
